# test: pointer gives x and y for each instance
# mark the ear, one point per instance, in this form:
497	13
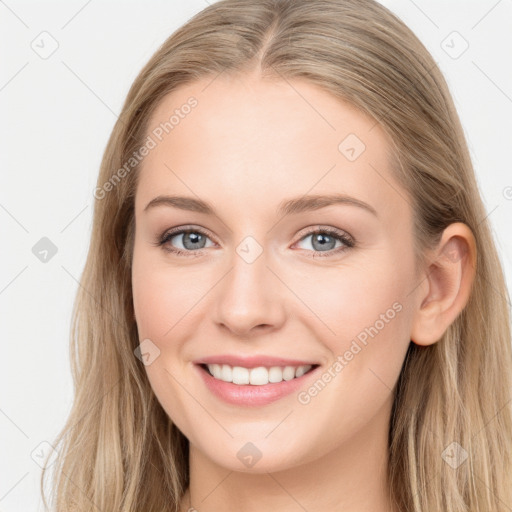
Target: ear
446	285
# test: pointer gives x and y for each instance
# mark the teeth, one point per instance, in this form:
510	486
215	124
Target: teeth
256	376
240	375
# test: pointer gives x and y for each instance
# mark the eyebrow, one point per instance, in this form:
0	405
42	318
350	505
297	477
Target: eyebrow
287	207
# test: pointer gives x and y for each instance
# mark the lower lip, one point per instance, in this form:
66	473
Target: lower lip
251	395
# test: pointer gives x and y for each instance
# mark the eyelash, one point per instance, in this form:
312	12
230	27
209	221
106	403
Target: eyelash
335	233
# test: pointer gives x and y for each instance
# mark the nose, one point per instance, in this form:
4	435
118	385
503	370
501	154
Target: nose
250	298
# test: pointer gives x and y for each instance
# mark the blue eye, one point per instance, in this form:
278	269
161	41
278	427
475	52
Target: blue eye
325	239
191	240
194	240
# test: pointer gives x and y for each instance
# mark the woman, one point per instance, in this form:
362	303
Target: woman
292	298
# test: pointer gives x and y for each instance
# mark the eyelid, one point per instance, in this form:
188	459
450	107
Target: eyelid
320	228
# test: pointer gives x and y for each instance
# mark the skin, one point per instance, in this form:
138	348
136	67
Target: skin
249	145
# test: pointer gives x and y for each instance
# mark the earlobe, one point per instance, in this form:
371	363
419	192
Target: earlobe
448	283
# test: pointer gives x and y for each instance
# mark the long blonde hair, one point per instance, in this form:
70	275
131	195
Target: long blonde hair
118	449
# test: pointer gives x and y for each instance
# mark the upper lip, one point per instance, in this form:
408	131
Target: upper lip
251	361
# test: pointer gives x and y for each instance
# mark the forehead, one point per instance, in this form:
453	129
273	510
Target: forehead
251	142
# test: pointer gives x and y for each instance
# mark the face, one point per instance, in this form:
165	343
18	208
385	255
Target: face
271	276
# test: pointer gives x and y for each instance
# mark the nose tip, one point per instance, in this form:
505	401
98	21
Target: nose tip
248	300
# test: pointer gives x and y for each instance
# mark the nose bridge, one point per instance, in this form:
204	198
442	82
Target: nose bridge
249	293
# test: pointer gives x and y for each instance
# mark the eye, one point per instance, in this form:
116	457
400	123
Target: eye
323	240
191	240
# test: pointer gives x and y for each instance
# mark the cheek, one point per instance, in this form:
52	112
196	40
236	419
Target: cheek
161	300
348	299
364	318
167	298
154	303
158	296
370	320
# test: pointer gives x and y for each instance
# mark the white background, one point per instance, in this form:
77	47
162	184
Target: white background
55	118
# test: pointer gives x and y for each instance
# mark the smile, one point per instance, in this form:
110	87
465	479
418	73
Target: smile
258	386
258	376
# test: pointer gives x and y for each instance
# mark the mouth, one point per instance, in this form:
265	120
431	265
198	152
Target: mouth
256	386
258	376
